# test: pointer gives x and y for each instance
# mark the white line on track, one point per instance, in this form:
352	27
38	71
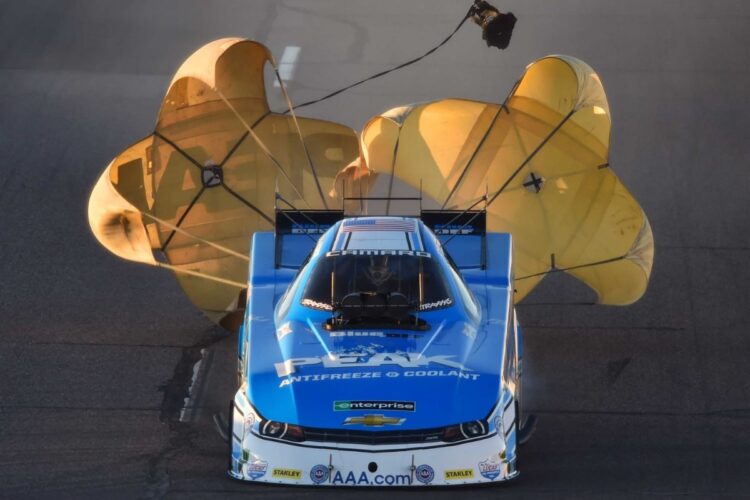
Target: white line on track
286	64
196	371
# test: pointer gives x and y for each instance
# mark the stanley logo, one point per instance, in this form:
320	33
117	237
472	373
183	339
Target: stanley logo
374	420
454	475
287	473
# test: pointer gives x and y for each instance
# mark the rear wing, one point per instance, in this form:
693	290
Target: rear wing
297	233
462	233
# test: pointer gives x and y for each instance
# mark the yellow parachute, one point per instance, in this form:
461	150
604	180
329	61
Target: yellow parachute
541	160
218	162
206	179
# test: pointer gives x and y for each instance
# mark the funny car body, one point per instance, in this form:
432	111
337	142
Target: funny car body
378	360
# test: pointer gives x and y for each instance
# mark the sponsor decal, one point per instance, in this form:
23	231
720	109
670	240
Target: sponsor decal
433	305
367	356
453	229
425	474
357	334
363	359
328	376
489	469
369	479
283	331
319	474
317	305
310	228
458	474
257	469
294	474
414	253
374	420
374	405
388	335
390	374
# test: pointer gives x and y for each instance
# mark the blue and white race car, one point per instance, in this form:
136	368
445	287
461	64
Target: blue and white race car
383	350
378	360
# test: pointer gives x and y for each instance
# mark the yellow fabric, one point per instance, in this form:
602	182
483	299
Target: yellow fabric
198	126
556	125
117	224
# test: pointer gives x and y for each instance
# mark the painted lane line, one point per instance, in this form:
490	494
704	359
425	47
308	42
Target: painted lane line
286	64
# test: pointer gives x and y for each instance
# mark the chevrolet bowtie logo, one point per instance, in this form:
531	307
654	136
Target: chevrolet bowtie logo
374	420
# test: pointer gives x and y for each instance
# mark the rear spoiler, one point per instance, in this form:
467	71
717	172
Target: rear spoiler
456	222
297	233
463	234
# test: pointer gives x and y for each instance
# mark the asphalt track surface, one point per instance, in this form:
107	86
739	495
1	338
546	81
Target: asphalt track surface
97	355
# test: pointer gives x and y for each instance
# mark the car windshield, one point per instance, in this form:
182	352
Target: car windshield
415	278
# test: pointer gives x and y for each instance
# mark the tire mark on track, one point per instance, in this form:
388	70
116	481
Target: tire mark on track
176	392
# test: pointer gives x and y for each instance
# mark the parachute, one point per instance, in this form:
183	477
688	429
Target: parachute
539	162
211	174
189	196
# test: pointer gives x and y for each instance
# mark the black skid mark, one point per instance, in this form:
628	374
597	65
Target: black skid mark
175	391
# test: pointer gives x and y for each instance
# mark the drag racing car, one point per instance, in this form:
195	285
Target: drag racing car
378	343
379	361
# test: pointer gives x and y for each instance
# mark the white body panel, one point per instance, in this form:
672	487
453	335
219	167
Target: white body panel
483	460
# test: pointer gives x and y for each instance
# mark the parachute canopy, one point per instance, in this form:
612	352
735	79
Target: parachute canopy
206	179
541	160
219	161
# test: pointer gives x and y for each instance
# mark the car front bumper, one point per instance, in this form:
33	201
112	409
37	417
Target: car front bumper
483	460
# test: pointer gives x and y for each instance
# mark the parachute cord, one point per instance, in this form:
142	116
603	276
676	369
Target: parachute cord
182	218
503	106
393	175
179	150
299	131
247	203
532	155
383	73
561	269
242	139
458	231
295	209
260	144
202	275
295	223
195	162
474	154
197	238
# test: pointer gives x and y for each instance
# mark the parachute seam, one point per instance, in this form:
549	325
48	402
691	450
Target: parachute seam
476	152
561	269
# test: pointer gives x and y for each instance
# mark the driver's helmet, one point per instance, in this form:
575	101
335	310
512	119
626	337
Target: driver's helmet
378	272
